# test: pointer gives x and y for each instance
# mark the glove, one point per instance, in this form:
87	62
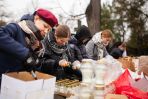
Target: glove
31	62
64	63
76	65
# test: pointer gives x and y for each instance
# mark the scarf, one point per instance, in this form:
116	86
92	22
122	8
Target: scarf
51	43
98	42
32	34
50	46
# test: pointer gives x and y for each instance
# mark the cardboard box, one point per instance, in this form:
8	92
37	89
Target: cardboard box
23	86
115	96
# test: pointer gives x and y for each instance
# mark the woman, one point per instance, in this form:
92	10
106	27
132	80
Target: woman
96	46
56	55
19	41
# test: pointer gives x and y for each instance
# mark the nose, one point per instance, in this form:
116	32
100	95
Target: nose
46	30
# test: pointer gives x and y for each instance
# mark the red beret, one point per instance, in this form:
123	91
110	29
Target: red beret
47	16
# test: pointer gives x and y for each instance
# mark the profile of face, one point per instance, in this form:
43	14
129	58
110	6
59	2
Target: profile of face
61	40
106	40
106	37
42	25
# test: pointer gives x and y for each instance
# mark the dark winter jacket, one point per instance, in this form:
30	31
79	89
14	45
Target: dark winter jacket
13	49
75	51
51	58
78	41
27	17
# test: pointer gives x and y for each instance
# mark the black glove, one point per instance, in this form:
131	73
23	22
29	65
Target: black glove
31	62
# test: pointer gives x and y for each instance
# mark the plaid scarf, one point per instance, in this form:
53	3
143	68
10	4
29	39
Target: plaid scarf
51	44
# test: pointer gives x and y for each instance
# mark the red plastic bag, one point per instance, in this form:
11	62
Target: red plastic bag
124	79
123	86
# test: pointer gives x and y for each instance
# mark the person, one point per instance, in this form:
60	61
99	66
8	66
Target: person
143	65
78	42
56	57
118	49
19	41
96	46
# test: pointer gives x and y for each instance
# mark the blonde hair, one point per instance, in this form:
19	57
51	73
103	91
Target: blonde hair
107	33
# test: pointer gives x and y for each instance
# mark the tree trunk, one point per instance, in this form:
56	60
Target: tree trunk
93	13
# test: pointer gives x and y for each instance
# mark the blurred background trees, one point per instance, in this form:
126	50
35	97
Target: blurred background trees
4	14
128	19
132	18
93	12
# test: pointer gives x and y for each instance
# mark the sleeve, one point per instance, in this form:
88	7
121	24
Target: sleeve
9	45
75	53
49	65
83	52
90	49
105	52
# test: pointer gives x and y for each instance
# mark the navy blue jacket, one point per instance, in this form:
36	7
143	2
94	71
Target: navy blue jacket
78	51
13	49
27	17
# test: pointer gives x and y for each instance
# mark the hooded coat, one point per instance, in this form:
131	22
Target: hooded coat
78	41
95	48
13	47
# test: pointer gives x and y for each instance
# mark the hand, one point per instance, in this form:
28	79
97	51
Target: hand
36	45
64	63
76	65
31	63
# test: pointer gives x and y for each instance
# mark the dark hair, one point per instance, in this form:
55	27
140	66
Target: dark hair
62	31
117	44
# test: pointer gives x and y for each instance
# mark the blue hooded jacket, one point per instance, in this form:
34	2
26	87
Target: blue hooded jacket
13	50
27	17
